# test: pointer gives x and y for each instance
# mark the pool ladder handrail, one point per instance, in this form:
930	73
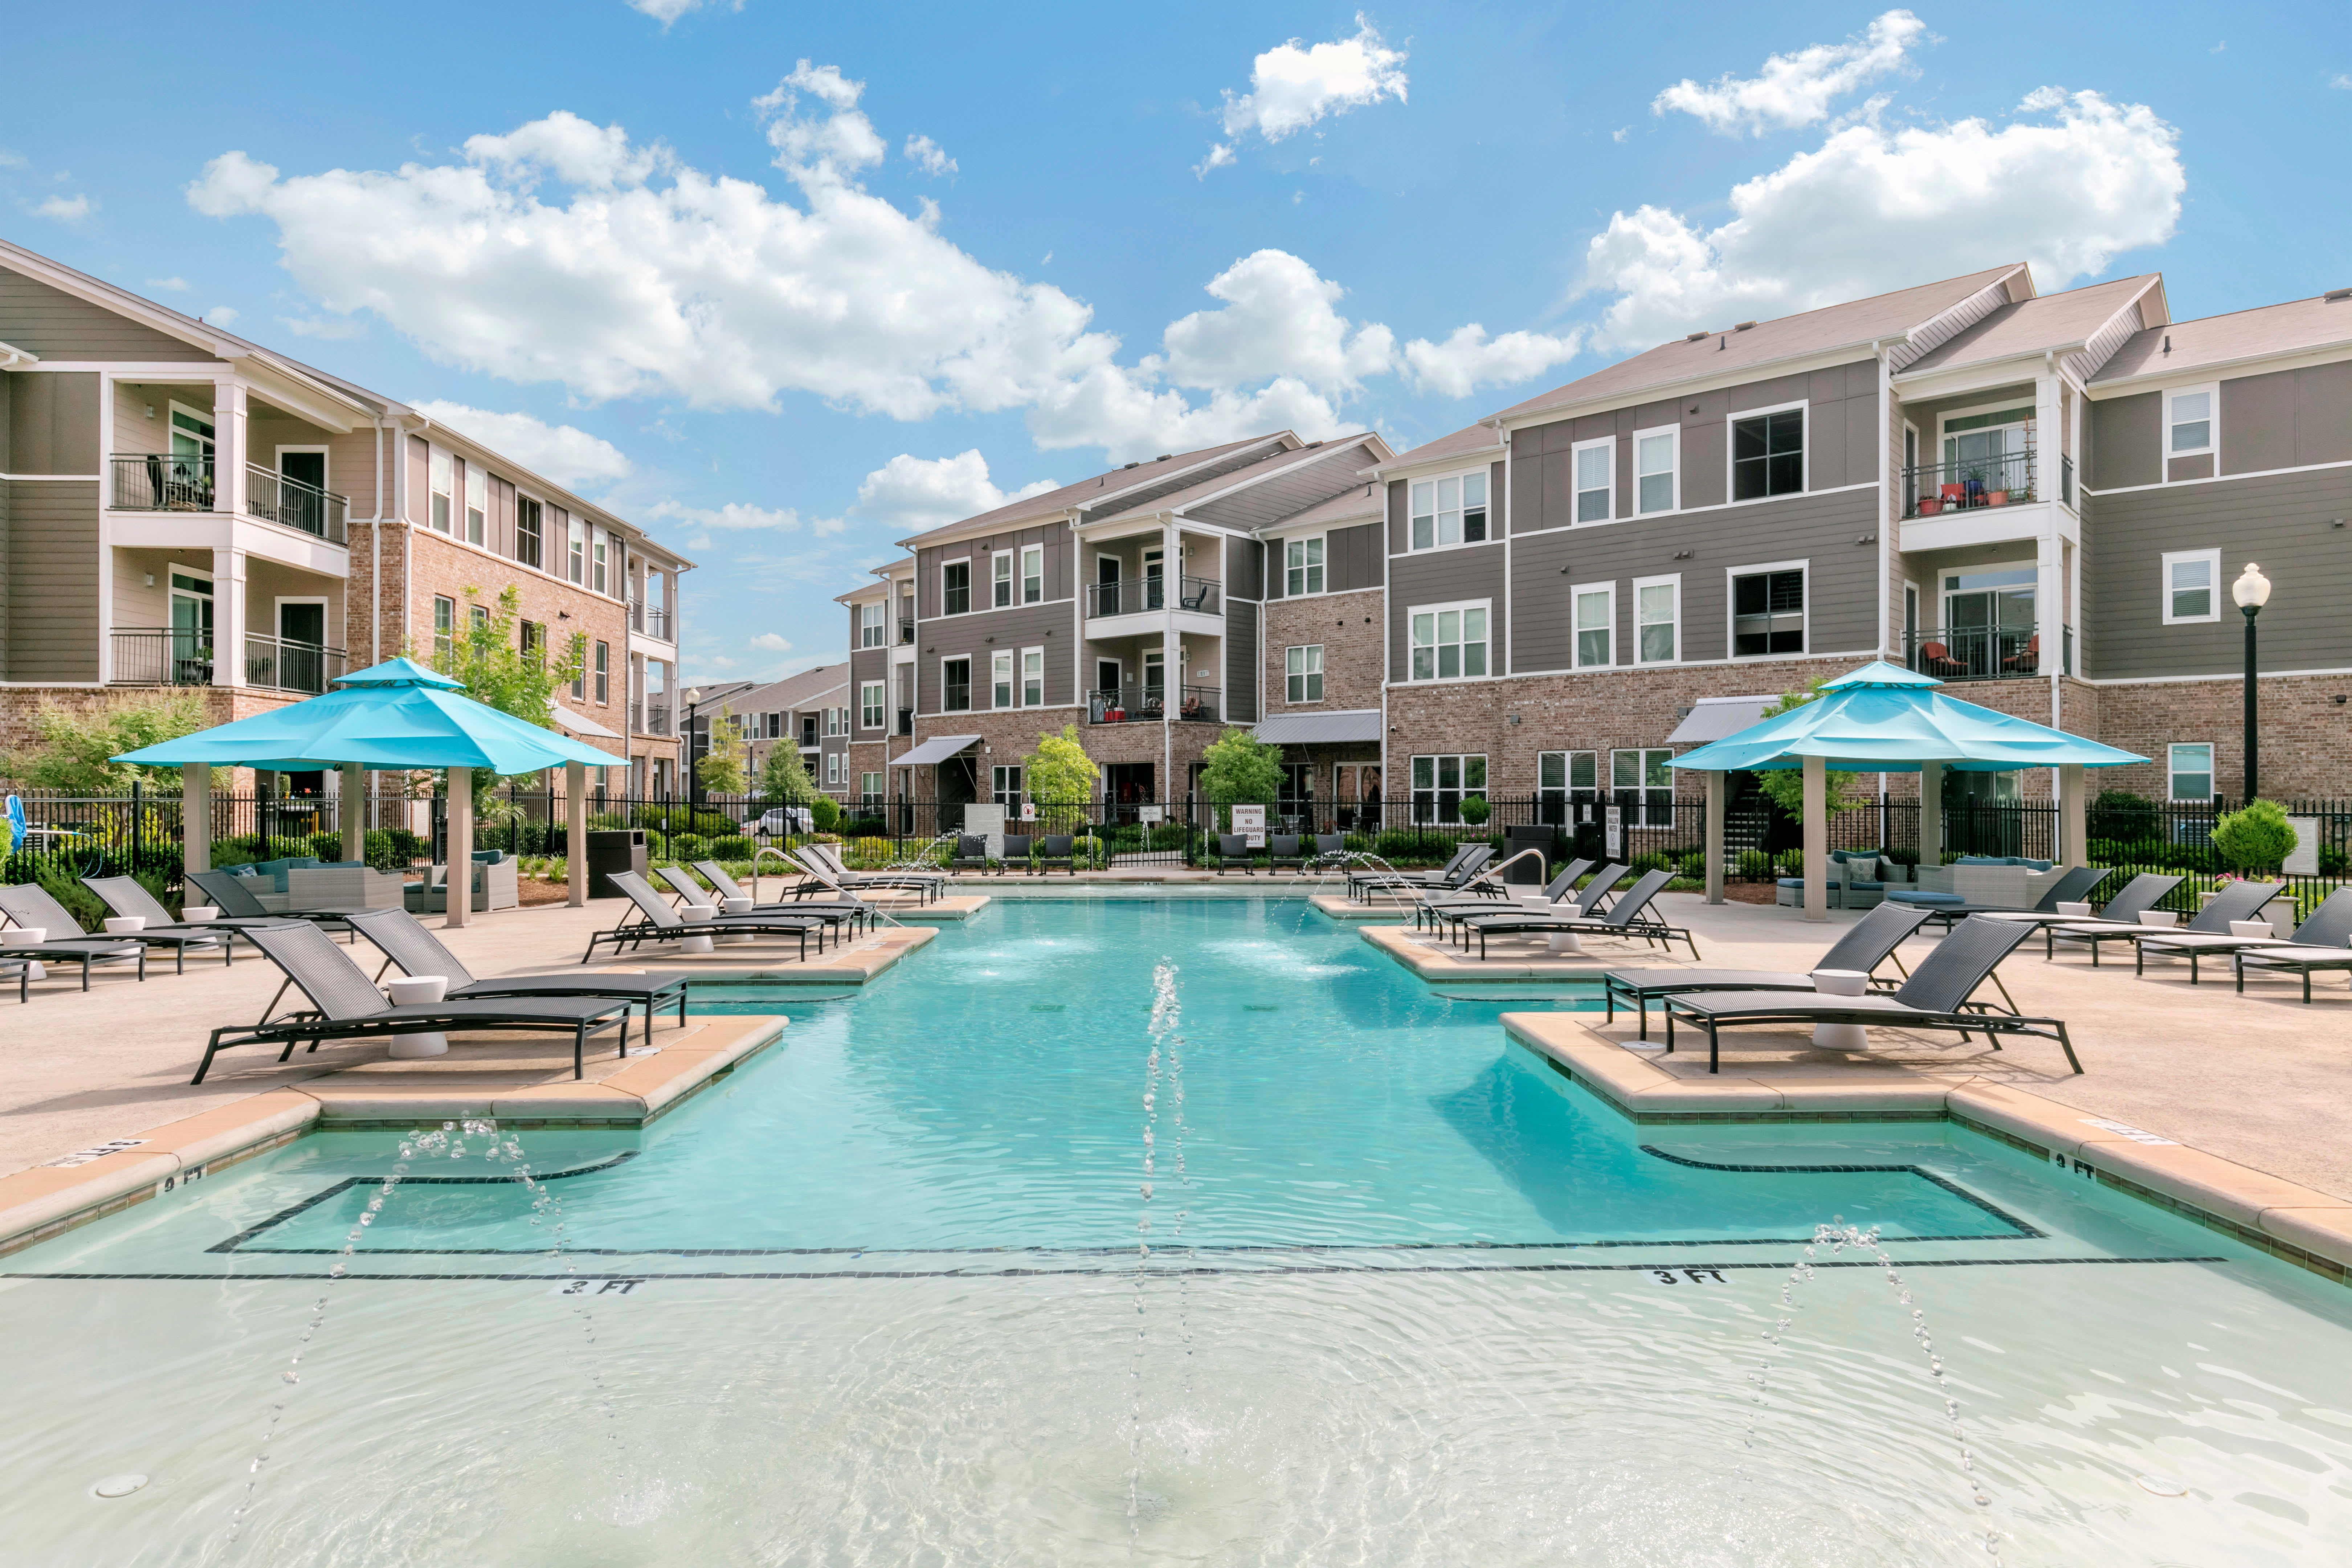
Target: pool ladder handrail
873	910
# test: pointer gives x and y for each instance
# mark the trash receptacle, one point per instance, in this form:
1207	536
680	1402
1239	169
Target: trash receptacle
614	849
1529	873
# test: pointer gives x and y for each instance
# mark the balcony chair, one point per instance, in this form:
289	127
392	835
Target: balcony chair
1938	659
2027	660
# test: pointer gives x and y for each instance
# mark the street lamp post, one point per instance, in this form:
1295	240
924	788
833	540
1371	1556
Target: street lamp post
2251	591
693	694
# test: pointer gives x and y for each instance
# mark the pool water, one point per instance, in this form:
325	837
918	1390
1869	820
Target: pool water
880	1296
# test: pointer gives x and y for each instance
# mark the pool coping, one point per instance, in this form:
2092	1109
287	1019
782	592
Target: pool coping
1440	964
2292	1222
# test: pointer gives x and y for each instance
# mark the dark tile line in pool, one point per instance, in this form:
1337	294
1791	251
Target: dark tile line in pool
1950	1186
1235	1249
237	1242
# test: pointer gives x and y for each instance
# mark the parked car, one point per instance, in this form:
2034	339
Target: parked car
780	820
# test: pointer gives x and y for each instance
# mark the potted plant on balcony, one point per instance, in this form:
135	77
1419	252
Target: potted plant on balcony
1930	506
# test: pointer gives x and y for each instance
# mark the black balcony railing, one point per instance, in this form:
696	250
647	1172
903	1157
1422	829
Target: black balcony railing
160	655
1133	596
651	619
282	664
157	482
1987	653
2066	479
1148	705
1931	490
276	498
657	719
906	631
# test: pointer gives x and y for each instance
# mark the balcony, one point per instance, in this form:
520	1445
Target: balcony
651	619
648	718
906	721
149	481
1134	596
1939	489
1986	653
159	656
907	632
1146	705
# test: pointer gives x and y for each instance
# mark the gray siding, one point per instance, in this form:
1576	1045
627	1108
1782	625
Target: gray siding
870	664
52	581
2288	419
1241	663
1842	577
1059	577
53	422
2282	520
54	324
1026	626
2125	441
1924	414
1352	558
1442	576
1245	569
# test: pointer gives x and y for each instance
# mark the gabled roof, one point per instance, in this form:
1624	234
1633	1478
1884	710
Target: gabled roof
2211	342
1128	484
1469	438
1348	450
2056	322
1360	503
792	691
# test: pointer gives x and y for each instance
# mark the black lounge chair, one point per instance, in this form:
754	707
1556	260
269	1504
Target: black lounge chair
406	940
2192	944
1488	896
971	853
2324	936
2073	886
841	879
1625	918
1468	860
661	923
76	948
1331	850
2236	903
1589	904
727	887
21	972
1016	850
1057	849
820	877
235	897
1867	944
1285	849
2143	892
1233	849
849	912
345	1004
1935	997
29	904
129	896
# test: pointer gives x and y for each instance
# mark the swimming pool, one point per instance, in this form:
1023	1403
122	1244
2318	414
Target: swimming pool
1411	1296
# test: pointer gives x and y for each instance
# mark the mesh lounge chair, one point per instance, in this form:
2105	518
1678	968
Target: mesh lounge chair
345	1004
661	923
406	940
2075	887
929	883
2324	936
820	876
1935	997
82	950
29	904
1585	905
1485	900
1626	917
1233	849
1867	944
2143	892
128	895
1331	850
1057	849
235	897
1468	860
2193	944
727	887
2237	902
834	913
21	972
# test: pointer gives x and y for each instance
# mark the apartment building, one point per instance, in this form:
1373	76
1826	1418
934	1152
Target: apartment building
881	679
808	711
183	508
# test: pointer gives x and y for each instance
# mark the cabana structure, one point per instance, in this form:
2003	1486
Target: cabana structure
395	717
1883	717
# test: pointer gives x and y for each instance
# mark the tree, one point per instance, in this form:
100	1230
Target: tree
488	657
1787	785
1241	770
75	747
784	778
2258	839
1059	773
721	768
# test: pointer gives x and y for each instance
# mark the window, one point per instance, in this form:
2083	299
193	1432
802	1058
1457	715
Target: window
832	767
477	501
1302	567
577	568
1595	463
869	625
1449	512
1654	468
580	681
1596	625
1767	612
1566	786
530	519
2188	422
1767	454
1643	784
955	686
598	583
869	704
2191	770
1440	782
1001	587
869	785
480	615
1449	641
445	627
441	482
1657	620
604	674
955	588
1005	785
1033	573
1303	674
1032	678
2192	582
775	726
1000	676
533	639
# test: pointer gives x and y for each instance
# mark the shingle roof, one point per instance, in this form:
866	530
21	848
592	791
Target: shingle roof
793	690
1272	463
1109	483
1362	502
2290	328
2034	326
1469	438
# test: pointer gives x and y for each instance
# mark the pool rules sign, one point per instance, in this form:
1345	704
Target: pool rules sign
1249	821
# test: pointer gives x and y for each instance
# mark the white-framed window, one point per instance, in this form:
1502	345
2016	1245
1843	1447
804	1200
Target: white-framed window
1005	785
2189	770
1594	464
1303	673
999	679
531	519
1302	561
1439	783
1595	606
1033	573
1448	512
2192	585
579	564
2192	420
869	625
1657	469
1658	619
444	479
1643	784
604	674
955	587
869	704
1449	641
1032	678
1567	785
1768	452
1768	609
955	685
832	767
1000	581
444	619
477	501
870	786
598	584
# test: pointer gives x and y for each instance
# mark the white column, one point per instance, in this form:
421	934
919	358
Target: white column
351	806
1931	814
461	843
1817	839
2074	848
230	454
196	817
1715	812
1172	660
575	831
228	617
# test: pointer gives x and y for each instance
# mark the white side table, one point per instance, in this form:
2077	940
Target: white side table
1841	982
33	936
739	906
417	990
695	914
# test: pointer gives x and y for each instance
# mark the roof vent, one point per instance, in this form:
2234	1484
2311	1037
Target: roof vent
1741	326
1696	336
2336	296
1136	465
1163	456
2168	343
1312	444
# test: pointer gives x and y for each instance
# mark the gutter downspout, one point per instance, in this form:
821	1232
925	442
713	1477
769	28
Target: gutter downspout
375	554
1886	522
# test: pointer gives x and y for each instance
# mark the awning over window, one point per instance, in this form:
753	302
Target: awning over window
937	750
1716	717
1322	729
578	724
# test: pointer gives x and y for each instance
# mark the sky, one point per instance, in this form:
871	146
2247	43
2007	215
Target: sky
785	288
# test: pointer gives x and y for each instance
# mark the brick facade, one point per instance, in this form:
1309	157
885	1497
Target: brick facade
1348	627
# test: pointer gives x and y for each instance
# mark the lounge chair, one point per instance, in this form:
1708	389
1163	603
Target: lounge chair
661	923
1867	944
1057	849
971	853
29	904
129	896
1935	997
1331	850
2319	943
1468	860
2194	945
235	897
2236	903
1016	850
1625	918
349	1006
2143	892
930	883
406	940
850	912
1285	849
727	887
1585	905
1233	849
21	971
2075	887
1488	896
82	950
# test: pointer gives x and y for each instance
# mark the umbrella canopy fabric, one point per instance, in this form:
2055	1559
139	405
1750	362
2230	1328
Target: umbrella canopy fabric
394	716
1883	717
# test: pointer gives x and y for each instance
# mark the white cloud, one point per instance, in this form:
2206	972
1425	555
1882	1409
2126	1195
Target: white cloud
1278	319
1797	89
2341	81
222	315
1470	358
665	12
12	159
770	642
1846	221
66	209
909	493
929	156
735	516
571	149
328	329
1220	155
1292	88
1620	134
170	285
564	453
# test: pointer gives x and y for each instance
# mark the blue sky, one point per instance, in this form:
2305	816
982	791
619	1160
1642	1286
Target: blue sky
786	287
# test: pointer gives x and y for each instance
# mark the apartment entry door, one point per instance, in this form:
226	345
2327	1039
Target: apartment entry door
301	658
191	652
1155	563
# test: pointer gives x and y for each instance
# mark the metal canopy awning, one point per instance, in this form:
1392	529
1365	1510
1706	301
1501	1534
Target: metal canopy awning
1359	724
936	750
580	724
1716	717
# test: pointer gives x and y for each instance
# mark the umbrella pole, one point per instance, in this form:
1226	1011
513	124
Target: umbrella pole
461	843
1817	839
575	831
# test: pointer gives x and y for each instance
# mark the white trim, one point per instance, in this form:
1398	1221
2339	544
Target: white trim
1484	474
1020	575
74	479
1578	489
1302	648
880	689
1731	419
1731	614
2213	559
326	465
943	709
1674	581
2211	391
2213	769
946	562
1674	471
1434	610
1004	676
1020	677
1635	672
1871	485
1323	564
2214	479
1002	568
1577	594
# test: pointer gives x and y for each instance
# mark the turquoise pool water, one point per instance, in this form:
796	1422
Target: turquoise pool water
1411	1296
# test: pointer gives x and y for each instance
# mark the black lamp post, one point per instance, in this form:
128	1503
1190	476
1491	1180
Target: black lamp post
693	694
2251	591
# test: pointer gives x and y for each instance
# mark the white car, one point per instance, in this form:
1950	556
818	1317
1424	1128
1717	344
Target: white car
779	821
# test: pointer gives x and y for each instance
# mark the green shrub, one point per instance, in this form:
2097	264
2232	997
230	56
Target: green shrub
2332	861
865	827
79	900
1475	810
1167	836
731	847
825	812
1792	862
1652	860
325	845
608	821
686	847
2120	814
2257	838
1754	863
